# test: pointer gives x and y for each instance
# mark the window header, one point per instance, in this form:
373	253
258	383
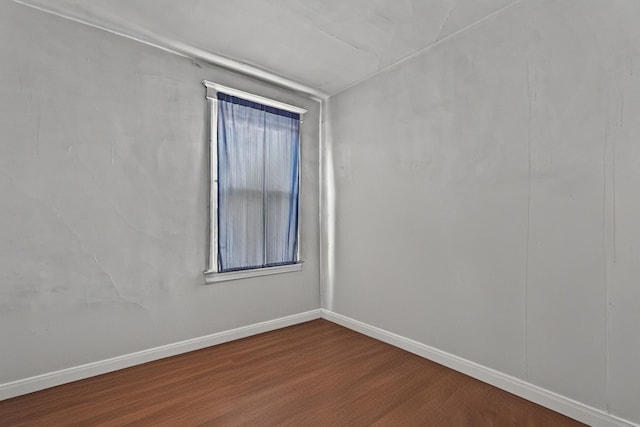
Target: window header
244	102
214	88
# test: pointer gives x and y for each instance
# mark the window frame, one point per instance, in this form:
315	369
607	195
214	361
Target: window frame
212	275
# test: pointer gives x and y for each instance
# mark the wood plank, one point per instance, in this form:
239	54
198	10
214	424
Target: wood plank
315	373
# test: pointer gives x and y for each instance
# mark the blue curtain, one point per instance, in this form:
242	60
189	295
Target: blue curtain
258	175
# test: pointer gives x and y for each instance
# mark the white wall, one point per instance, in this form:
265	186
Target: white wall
103	200
487	198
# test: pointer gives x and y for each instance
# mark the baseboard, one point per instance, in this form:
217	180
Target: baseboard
52	379
569	407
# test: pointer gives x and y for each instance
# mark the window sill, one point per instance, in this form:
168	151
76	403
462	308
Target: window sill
215	277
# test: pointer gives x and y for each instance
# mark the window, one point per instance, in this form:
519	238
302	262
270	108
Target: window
255	185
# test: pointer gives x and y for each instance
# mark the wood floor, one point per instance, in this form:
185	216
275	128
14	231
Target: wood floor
315	373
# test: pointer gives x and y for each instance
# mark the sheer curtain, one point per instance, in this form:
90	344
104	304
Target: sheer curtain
258	176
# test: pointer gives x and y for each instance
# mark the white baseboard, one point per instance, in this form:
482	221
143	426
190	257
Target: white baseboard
579	411
52	379
569	407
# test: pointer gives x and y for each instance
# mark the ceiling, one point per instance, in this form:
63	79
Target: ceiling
327	45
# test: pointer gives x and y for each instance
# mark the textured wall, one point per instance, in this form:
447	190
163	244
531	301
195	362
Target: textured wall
103	200
487	198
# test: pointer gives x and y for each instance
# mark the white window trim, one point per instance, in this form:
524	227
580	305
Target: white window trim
212	275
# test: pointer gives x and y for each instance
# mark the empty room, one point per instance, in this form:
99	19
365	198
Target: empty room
320	212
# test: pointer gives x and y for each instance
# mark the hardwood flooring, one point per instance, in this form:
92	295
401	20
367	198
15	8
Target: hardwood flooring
313	374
